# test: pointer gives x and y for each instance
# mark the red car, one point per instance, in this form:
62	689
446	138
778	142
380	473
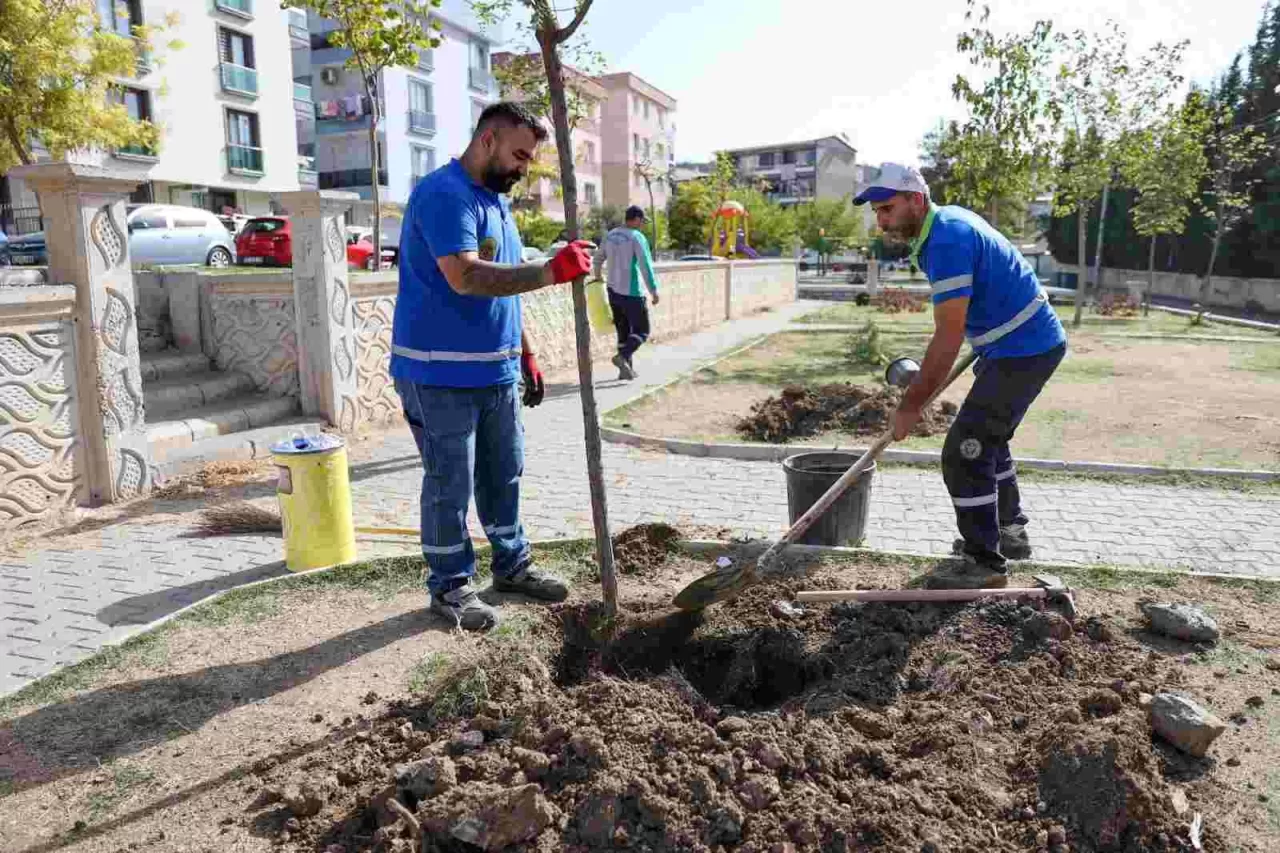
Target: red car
360	250
265	240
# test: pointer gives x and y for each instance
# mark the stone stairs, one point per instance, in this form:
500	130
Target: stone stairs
198	414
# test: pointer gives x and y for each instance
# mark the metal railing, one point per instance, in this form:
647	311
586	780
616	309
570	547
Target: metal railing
308	179
350	178
244	158
420	122
302	92
426	59
136	151
243	8
480	79
298	26
239	79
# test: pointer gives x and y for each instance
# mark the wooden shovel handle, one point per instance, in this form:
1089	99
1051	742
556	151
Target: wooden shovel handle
902	595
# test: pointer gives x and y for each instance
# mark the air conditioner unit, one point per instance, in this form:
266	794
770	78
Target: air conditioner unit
329	76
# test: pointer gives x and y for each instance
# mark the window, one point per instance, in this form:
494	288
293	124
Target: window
589	152
646	109
424	162
635	143
646	149
189	220
589	192
788	158
119	17
420	97
244	152
136	101
149	220
765	161
235	47
480	55
658	152
662	117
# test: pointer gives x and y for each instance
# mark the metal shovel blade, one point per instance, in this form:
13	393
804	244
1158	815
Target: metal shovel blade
717	587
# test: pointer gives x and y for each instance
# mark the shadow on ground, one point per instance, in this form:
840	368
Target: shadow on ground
145	609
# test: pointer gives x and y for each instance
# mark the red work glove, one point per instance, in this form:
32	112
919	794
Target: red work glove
572	261
534	387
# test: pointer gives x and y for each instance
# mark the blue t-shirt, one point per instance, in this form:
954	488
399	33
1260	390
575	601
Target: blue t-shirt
1009	315
442	337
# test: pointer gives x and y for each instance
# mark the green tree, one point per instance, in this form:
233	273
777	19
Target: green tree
544	24
1002	148
772	226
380	34
834	218
601	220
58	66
689	214
1165	164
650	173
537	229
1103	96
1233	151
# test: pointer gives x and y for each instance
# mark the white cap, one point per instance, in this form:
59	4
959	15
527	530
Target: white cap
894	178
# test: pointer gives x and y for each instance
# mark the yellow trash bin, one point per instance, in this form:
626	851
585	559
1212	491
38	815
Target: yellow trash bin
315	501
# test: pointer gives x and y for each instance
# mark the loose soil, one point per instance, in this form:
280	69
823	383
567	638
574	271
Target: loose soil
983	727
1174	403
804	411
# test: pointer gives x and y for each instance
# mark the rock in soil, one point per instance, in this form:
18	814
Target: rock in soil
1183	723
1182	622
304	801
803	411
488	816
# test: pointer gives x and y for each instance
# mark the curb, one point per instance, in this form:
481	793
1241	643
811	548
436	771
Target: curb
1218	318
835	328
776	453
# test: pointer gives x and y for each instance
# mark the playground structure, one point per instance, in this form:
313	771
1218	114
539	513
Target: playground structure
731	218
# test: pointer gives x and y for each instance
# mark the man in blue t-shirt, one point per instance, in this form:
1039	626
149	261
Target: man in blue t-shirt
985	291
458	350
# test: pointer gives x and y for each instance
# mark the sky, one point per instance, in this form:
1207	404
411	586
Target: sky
765	71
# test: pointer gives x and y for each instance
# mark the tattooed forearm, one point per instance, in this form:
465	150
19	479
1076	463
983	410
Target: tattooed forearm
480	278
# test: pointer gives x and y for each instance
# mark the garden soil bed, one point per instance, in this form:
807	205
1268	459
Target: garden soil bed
983	727
802	411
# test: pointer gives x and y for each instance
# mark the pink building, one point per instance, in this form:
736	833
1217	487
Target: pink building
638	130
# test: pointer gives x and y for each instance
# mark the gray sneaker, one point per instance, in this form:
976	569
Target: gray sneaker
625	371
965	572
533	583
463	608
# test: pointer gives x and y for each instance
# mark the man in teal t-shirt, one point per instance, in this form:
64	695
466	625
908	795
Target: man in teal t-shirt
625	257
986	292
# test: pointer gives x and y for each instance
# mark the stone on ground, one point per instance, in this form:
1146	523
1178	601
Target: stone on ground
1183	723
1182	622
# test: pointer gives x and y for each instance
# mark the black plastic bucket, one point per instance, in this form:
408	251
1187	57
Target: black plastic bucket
809	475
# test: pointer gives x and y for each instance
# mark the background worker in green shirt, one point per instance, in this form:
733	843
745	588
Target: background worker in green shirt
625	258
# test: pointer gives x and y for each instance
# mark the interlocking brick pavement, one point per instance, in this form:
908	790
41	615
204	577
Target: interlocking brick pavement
59	604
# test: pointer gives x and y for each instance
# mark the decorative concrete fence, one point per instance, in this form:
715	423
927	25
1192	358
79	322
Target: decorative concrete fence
72	419
1225	291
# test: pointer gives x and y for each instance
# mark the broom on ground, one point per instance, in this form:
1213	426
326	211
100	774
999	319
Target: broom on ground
243	518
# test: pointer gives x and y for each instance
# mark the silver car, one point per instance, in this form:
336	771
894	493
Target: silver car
172	234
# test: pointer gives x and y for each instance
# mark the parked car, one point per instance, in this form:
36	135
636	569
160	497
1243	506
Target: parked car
28	250
173	234
4	249
234	223
699	258
266	240
360	249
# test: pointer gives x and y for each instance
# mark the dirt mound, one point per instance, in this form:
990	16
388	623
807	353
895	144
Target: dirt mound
644	548
842	728
803	411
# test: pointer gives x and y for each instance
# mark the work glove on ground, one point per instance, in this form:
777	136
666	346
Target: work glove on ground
572	261
534	387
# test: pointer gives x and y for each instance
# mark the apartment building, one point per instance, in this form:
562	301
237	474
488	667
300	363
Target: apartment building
428	110
801	171
223	103
544	194
638	130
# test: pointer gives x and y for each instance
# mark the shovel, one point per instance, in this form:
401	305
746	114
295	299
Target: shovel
724	584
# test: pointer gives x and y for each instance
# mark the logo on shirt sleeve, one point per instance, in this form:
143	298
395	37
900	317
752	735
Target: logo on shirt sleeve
488	249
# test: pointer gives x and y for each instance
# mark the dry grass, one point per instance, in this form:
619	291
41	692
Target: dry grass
237	519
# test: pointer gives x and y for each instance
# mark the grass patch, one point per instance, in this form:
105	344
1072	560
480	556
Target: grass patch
125	778
1085	369
1264	591
1112	578
1228	654
1256	359
149	649
1175	480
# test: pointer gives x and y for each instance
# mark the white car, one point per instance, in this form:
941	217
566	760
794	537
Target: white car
531	254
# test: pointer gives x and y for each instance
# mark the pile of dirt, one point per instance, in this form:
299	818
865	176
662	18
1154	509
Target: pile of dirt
644	548
993	727
803	411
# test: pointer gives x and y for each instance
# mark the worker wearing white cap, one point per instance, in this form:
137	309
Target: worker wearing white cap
985	291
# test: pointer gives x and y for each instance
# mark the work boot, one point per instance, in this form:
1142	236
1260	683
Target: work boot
625	371
967	572
534	583
1014	543
463	608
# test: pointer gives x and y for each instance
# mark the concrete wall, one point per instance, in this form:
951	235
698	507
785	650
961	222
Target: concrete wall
250	326
756	285
1226	291
39	473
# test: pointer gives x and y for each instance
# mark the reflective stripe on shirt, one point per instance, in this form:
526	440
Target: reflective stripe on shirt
1018	319
447	355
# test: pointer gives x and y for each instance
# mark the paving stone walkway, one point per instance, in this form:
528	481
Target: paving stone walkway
59	604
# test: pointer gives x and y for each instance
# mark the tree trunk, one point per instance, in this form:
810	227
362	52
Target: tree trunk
1206	287
582	329
653	214
374	116
1151	275
993	212
1097	250
1082	261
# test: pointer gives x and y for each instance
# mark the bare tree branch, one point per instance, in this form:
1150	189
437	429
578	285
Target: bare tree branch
565	33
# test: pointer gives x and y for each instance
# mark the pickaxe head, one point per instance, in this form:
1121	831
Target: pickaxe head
1057	592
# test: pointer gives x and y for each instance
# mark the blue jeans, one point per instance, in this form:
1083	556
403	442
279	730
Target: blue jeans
470	439
976	463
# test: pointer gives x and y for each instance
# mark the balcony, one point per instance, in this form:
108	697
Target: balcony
420	122
308	179
239	80
480	79
135	152
299	29
426	59
244	160
302	92
239	8
143	64
348	178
